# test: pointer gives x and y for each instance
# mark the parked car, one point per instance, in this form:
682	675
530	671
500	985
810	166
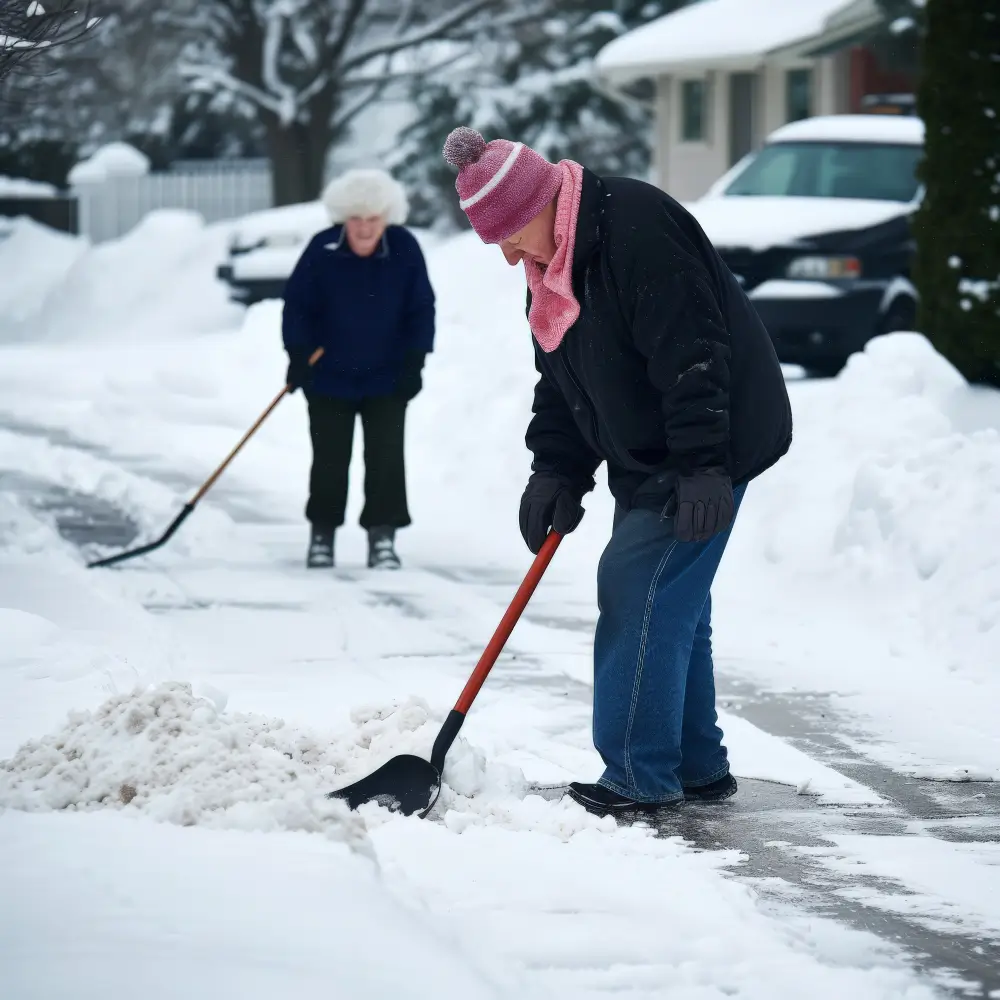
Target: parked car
815	226
264	247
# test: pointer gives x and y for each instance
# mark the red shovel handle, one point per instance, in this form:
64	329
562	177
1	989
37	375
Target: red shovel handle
507	623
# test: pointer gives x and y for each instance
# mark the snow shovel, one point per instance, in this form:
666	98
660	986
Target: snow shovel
410	784
205	487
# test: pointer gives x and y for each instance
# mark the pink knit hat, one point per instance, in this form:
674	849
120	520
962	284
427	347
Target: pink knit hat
502	185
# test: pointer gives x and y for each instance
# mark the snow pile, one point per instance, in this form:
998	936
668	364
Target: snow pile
156	280
925	500
40	258
179	759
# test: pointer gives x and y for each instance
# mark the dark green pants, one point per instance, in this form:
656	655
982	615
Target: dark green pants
331	426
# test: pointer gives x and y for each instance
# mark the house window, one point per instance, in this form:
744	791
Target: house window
693	111
798	94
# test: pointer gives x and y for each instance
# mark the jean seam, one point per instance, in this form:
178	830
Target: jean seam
718	776
641	658
630	793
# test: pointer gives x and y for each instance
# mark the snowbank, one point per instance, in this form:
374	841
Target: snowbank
39	258
925	501
878	532
155	281
893	482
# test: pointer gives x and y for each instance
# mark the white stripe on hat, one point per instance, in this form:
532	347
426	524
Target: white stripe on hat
494	180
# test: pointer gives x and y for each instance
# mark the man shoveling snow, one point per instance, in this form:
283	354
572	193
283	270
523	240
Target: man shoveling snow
650	358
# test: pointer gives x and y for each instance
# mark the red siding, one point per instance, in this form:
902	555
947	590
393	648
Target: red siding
868	77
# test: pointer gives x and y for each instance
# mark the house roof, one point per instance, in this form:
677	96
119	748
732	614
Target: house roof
730	34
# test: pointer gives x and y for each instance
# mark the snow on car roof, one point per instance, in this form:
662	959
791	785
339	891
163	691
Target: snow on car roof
852	128
715	31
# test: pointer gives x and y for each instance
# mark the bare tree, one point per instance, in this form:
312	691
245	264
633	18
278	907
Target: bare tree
30	30
310	67
118	82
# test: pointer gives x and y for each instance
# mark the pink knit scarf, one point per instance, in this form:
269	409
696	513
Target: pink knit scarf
554	308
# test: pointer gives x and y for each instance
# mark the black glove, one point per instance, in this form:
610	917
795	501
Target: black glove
409	381
549	501
704	505
300	372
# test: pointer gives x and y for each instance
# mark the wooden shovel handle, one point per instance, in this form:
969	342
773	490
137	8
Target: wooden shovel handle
213	478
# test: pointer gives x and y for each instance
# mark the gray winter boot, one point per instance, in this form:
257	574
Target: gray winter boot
320	554
381	551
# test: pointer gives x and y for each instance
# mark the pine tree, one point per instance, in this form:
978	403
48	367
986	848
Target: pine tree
896	41
957	227
533	83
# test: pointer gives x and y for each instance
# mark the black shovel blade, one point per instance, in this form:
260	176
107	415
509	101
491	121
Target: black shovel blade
405	784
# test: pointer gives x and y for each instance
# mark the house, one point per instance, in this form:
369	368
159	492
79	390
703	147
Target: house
729	72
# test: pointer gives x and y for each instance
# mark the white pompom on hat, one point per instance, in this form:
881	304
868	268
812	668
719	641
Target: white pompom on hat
366	192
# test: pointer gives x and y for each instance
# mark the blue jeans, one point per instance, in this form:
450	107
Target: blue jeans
655	724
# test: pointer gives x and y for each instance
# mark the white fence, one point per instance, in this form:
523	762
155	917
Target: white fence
216	189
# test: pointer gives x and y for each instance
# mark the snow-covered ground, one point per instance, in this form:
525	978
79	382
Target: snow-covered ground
168	727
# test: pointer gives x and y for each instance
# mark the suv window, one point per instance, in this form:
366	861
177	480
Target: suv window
876	171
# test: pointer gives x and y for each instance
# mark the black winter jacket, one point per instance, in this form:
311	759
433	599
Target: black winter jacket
668	368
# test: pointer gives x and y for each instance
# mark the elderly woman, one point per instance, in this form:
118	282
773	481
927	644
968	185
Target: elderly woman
650	358
360	291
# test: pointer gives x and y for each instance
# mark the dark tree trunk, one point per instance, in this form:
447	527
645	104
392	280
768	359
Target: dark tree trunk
298	157
298	151
957	228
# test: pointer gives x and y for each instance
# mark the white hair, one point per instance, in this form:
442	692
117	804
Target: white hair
366	192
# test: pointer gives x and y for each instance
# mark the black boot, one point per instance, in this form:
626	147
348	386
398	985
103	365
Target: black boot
320	555
715	792
602	801
381	553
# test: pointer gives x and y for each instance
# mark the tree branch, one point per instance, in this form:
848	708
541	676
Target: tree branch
351	112
30	30
430	32
224	80
409	74
274	31
348	25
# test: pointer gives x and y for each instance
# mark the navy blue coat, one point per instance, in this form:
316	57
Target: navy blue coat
367	313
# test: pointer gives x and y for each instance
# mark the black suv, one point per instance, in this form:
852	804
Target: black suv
815	226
